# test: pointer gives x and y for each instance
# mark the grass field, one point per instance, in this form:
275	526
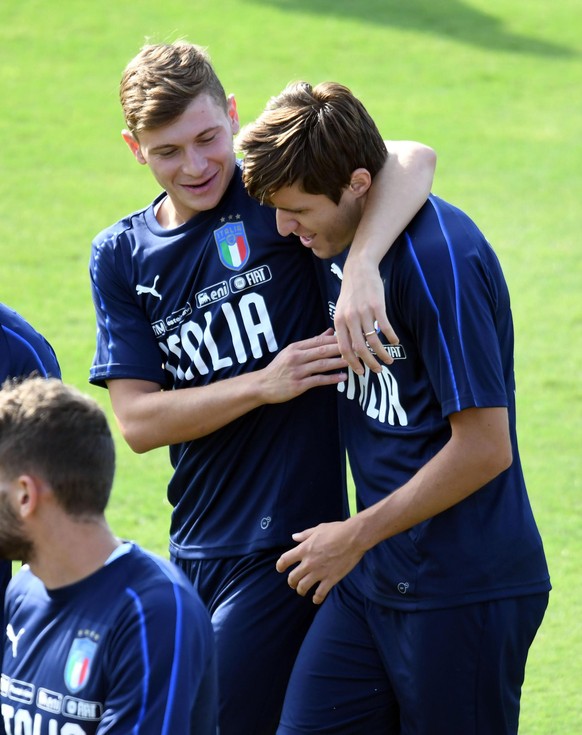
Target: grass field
493	85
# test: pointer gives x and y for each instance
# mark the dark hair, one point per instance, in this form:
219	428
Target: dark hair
162	80
313	136
53	431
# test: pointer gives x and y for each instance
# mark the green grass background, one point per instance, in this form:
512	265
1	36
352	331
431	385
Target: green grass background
495	86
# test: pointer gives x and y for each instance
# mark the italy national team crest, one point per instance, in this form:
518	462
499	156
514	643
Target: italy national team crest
233	246
79	662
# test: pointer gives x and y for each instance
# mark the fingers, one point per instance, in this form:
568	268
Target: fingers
293	555
316	355
349	348
302	582
386	328
360	318
320	593
360	344
297	579
364	348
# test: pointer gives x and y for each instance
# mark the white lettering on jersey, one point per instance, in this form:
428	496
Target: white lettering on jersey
13	638
377	394
256	320
237	342
193	349
20	722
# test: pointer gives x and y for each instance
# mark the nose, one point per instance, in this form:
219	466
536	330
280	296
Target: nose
286	223
193	162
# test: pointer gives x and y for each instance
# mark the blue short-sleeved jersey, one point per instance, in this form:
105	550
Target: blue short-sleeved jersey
23	350
213	299
448	302
128	649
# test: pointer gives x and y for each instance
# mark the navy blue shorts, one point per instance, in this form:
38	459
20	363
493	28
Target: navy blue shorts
260	623
364	668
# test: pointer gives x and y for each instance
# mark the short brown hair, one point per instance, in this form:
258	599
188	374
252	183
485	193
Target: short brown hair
313	136
53	431
160	82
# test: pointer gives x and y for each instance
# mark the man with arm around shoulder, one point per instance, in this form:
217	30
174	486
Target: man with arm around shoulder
433	592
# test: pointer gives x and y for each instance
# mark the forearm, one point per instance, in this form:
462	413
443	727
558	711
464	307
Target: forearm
156	418
464	465
149	417
399	190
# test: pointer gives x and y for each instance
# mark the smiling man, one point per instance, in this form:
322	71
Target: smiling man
212	341
435	589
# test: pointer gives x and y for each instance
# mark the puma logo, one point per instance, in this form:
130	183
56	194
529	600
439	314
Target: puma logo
14	638
149	289
337	271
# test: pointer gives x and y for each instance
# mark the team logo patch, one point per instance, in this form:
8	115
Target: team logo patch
233	246
79	662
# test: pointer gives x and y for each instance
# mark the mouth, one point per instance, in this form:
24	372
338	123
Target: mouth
203	186
306	240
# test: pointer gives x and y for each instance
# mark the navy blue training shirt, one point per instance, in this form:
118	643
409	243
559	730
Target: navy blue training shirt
128	649
447	300
215	298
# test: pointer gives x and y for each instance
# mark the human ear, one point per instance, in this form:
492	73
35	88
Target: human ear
133	146
26	495
233	114
360	182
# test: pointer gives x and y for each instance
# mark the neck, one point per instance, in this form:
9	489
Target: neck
74	551
167	215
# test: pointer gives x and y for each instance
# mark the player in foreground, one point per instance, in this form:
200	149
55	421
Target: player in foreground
101	636
439	582
211	340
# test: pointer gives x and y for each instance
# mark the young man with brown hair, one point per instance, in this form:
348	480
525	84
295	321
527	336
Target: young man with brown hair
435	589
212	341
101	636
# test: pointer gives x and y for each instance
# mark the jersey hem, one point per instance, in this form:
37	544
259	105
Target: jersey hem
225	552
442	603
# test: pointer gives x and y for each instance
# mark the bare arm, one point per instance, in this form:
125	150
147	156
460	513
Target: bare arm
399	190
149	417
479	449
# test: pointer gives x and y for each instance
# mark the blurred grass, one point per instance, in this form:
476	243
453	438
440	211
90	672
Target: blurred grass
493	86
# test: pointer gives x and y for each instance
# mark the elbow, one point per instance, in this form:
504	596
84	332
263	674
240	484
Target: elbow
137	440
140	447
427	166
506	459
500	458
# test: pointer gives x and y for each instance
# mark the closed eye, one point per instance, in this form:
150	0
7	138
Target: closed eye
166	152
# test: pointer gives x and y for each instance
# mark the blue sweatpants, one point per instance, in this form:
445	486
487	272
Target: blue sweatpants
259	624
365	669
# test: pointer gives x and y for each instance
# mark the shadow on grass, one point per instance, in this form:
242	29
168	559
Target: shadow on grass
449	18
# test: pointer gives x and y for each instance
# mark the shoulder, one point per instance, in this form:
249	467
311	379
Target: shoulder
25	349
158	583
441	232
162	602
441	219
123	227
12	320
24	589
